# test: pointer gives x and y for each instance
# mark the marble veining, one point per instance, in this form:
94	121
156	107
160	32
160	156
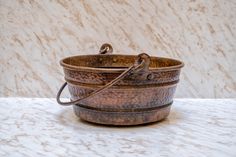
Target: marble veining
40	127
35	35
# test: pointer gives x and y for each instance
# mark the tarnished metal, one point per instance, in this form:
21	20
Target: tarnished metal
120	89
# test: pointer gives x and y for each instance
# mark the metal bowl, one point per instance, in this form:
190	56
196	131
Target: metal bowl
120	89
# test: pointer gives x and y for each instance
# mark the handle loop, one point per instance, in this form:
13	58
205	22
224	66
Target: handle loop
106	49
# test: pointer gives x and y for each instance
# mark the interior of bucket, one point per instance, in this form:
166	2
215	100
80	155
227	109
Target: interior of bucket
116	61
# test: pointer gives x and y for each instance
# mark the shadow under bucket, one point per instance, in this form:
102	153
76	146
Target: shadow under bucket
120	89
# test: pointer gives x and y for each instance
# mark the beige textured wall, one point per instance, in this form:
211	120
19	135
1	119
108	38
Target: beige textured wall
35	35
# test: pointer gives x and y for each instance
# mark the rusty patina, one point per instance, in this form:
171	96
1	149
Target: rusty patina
120	89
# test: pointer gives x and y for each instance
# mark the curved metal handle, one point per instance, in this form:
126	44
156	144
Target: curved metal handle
108	85
141	65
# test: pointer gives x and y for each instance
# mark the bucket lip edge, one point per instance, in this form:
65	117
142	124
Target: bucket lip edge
84	68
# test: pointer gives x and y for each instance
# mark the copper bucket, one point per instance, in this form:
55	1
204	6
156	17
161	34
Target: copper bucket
120	89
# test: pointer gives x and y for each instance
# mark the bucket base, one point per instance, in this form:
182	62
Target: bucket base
122	118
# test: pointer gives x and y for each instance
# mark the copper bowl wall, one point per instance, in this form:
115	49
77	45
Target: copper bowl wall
140	97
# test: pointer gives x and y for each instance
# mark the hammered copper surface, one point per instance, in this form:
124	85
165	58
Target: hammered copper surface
122	118
141	97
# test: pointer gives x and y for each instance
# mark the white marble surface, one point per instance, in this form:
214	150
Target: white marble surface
35	35
40	127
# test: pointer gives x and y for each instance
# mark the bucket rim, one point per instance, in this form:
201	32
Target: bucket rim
97	69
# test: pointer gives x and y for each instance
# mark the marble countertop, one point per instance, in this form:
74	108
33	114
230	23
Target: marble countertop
40	127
